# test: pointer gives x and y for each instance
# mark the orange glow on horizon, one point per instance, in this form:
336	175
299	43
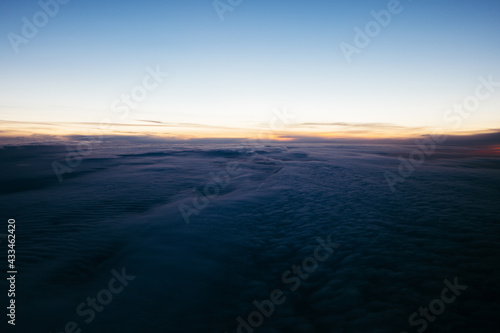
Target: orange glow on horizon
60	131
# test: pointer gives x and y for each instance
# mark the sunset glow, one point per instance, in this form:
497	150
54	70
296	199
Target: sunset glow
202	77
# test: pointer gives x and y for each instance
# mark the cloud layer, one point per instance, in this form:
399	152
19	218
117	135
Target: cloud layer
120	208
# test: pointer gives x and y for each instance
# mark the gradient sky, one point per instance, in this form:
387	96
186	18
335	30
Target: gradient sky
263	55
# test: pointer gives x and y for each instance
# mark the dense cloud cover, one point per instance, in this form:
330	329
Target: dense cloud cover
125	206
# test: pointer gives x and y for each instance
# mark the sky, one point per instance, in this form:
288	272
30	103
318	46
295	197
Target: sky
227	70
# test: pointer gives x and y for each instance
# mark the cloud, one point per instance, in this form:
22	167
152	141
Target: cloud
121	206
356	125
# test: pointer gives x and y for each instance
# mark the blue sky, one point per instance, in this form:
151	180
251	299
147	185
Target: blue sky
263	55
